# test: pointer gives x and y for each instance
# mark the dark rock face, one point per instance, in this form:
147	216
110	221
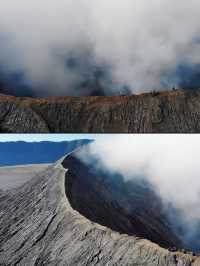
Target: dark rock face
38	226
176	111
127	207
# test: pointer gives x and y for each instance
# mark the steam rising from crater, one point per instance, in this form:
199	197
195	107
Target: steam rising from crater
169	162
142	45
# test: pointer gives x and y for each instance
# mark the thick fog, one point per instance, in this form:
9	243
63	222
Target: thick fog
169	162
142	45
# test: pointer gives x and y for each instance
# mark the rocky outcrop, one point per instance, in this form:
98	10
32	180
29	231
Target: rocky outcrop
38	226
175	111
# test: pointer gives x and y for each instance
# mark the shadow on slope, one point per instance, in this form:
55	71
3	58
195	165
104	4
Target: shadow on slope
127	207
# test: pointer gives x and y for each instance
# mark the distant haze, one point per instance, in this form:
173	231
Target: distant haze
61	47
22	153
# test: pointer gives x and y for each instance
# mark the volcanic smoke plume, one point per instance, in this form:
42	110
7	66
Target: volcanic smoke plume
170	164
84	47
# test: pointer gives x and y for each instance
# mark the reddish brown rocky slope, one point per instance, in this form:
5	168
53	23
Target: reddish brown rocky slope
175	111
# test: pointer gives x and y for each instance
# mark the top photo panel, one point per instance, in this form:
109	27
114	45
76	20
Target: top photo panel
101	66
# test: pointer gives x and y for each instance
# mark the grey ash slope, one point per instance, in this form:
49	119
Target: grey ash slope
11	177
175	111
38	226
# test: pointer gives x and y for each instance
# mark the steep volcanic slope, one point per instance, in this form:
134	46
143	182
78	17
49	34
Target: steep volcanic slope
127	207
176	111
38	226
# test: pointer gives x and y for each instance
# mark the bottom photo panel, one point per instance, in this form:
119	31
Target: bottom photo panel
95	199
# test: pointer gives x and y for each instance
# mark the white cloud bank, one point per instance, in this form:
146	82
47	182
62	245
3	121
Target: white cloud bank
142	41
170	162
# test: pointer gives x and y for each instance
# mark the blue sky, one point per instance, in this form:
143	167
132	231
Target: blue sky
47	137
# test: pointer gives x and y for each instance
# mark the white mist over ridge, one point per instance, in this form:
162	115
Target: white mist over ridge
169	162
141	42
